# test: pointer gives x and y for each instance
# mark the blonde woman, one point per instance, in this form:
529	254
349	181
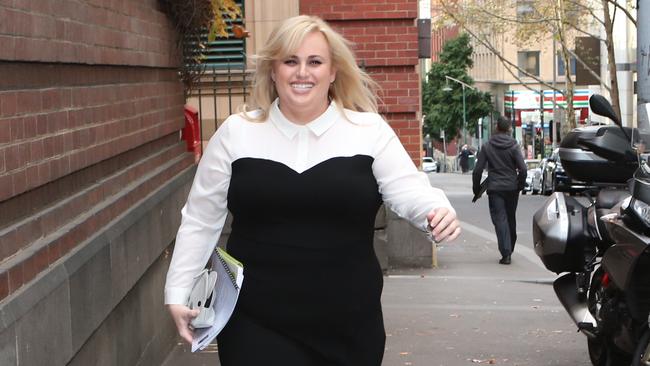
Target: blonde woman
303	173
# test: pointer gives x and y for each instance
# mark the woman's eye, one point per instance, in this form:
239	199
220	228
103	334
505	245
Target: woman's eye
290	62
315	62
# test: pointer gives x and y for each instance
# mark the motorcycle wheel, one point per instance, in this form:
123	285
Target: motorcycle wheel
601	351
641	349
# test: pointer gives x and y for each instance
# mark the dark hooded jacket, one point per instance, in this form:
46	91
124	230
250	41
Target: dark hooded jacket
504	162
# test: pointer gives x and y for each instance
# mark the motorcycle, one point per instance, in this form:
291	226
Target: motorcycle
602	248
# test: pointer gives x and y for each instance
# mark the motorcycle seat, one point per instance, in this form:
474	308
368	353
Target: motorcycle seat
608	198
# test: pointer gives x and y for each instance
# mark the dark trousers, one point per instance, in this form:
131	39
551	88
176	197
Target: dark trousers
503	208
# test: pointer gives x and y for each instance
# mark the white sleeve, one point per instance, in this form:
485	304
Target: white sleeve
203	217
404	189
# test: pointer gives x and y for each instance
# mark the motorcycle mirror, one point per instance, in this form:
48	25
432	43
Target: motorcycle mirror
602	107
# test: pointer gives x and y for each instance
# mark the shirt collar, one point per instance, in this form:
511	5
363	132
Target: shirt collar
318	126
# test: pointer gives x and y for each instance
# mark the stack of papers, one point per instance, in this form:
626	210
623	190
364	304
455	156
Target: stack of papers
230	276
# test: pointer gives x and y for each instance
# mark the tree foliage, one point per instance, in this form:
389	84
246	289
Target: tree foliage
192	19
444	109
218	26
527	23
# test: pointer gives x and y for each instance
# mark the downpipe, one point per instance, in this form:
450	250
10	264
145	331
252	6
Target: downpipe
575	304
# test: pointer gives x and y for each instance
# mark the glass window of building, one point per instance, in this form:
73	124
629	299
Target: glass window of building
525	9
529	61
560	65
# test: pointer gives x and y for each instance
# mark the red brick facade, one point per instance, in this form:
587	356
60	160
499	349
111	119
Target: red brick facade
90	109
87	32
438	39
385	40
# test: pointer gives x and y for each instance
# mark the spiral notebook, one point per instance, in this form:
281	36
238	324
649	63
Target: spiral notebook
230	276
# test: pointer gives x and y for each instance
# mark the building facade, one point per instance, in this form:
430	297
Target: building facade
385	41
532	104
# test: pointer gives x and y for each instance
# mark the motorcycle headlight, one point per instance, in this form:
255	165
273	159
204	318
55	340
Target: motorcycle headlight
642	211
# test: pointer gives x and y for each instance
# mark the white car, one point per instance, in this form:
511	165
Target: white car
533	180
429	165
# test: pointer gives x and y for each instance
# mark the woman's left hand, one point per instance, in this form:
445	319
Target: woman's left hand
443	224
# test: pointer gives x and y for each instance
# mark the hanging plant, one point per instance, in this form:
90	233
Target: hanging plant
221	9
192	18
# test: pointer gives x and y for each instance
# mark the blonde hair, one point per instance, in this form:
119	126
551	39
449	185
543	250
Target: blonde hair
353	88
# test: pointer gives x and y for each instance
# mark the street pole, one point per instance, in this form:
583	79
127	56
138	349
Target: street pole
552	129
643	64
444	150
480	132
464	118
532	139
512	114
541	122
464	111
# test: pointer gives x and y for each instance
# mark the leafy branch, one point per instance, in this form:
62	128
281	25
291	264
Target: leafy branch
192	18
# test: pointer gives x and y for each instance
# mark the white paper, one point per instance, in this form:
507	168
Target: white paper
226	299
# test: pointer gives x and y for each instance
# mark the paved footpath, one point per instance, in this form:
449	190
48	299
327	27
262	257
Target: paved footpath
470	310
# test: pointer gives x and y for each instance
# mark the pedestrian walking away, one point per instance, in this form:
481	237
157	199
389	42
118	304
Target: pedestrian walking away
463	159
506	178
303	170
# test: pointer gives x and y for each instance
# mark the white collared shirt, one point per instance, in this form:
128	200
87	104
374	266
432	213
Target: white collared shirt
403	188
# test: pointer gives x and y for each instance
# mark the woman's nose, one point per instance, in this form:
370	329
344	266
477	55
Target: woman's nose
302	70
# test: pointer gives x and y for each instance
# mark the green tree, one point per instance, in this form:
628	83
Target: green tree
443	109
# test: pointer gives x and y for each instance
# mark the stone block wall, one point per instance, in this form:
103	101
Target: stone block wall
101	304
92	173
408	247
399	245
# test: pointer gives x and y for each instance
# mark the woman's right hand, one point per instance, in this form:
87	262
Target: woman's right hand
182	316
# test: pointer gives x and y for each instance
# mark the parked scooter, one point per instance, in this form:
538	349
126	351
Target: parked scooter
603	248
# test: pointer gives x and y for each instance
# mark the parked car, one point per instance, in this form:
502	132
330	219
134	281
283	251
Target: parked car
554	179
533	180
429	165
536	179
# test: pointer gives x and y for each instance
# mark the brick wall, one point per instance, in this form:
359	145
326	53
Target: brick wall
90	113
122	32
439	38
102	86
60	118
385	40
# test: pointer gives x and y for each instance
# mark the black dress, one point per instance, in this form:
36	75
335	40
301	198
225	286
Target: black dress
312	290
303	201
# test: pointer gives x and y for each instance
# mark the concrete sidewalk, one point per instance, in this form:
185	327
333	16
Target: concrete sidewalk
470	309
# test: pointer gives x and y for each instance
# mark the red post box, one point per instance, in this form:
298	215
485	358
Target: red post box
192	131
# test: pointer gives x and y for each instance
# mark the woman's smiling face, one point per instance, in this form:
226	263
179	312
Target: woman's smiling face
302	80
